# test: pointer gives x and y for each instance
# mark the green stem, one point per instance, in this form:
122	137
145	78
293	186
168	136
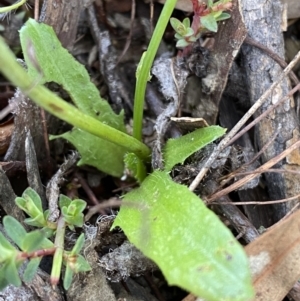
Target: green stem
142	78
16	5
63	110
58	255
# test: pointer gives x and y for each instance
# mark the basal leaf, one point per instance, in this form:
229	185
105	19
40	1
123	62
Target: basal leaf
177	150
31	268
42	50
209	22
189	243
14	230
96	152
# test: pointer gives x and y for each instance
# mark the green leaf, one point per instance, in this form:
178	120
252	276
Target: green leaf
33	241
31	203
3	282
11	273
68	277
209	22
31	269
78	245
182	43
42	50
177	150
14	229
135	166
96	152
81	264
177	26
79	205
189	243
186	22
210	3
64	201
223	16
7	251
189	32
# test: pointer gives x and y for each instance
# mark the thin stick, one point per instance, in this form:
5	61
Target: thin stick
263	168
239	125
129	36
264	114
259	203
36	9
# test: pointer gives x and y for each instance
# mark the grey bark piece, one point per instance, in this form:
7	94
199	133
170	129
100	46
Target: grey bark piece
33	174
53	186
27	117
262	20
7	198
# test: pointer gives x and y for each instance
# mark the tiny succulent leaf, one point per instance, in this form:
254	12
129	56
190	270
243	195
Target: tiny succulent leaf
68	277
186	22
79	205
189	32
177	25
31	203
209	22
81	264
78	245
64	201
223	16
177	150
6	249
11	273
31	269
188	242
217	14
33	241
182	43
3	282
14	230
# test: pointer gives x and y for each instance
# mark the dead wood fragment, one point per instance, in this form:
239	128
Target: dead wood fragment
172	79
263	24
53	186
63	16
7	198
27	117
228	40
108	62
32	168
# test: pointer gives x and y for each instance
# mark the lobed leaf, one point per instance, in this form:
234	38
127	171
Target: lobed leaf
189	243
48	61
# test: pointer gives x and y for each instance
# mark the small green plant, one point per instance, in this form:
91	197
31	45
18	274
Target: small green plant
36	244
170	224
205	18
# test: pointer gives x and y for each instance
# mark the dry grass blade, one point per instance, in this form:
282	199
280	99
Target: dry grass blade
259	170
